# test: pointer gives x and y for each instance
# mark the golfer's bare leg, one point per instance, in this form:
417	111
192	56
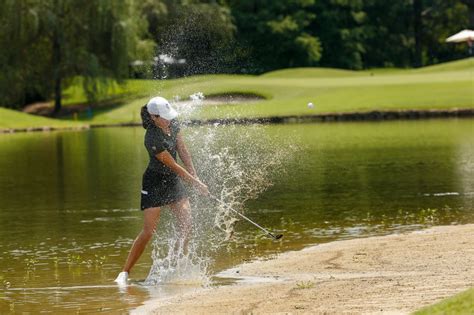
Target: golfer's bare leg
151	216
182	210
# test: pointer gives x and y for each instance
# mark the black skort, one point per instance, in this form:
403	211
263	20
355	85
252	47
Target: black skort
160	189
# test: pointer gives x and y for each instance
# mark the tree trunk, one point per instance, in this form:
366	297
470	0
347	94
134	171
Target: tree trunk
57	72
57	95
417	26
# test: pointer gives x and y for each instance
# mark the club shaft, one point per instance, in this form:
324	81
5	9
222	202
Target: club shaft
243	216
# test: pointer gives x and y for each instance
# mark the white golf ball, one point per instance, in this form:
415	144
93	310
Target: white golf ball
310	105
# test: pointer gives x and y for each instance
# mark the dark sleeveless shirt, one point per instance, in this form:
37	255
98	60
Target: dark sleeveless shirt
157	141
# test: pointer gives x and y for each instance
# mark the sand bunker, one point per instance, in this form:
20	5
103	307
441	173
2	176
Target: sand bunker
390	274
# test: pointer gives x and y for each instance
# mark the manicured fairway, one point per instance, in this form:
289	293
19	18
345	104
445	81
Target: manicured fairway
287	92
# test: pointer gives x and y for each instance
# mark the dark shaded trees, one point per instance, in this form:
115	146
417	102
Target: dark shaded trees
442	18
23	54
352	34
201	32
417	29
275	34
470	7
55	41
45	44
342	27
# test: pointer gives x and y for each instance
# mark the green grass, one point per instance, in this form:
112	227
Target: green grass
312	73
462	303
288	91
74	94
15	119
448	66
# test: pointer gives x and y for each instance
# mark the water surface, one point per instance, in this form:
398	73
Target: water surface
69	201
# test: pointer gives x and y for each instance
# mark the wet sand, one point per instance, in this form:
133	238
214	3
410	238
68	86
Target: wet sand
394	274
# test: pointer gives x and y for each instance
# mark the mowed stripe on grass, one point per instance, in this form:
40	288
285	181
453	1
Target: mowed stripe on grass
287	92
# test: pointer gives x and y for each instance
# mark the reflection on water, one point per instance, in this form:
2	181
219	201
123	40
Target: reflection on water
69	202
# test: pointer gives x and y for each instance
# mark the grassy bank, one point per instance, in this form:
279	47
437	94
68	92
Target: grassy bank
11	119
462	303
287	92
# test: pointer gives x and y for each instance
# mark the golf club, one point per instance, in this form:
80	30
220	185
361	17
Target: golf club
275	237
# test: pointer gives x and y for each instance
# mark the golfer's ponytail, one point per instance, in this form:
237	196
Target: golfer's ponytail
147	122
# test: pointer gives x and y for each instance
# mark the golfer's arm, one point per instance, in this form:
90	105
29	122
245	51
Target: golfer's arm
184	155
166	158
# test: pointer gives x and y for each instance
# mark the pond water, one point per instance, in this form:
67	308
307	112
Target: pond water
69	201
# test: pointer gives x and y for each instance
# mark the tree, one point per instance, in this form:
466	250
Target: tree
417	28
23	54
470	6
388	34
371	33
275	34
46	44
94	39
339	24
441	19
201	32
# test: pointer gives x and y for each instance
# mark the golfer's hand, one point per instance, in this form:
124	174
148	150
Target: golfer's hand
201	187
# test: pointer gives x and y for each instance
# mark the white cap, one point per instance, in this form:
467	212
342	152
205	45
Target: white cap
161	107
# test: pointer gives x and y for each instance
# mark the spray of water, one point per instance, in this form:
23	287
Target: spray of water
237	163
173	263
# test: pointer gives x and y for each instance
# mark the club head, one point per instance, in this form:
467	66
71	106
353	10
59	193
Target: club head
278	236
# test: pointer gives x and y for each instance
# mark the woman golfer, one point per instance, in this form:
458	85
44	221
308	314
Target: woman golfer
161	185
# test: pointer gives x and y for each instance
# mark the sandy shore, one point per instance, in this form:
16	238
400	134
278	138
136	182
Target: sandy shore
393	274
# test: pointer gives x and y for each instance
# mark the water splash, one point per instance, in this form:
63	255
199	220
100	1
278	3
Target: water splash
175	264
238	163
197	97
188	107
237	170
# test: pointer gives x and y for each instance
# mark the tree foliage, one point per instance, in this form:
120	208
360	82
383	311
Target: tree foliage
275	34
45	44
55	41
352	34
201	32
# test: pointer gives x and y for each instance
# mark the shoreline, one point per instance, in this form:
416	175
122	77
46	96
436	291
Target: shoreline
376	115
397	273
